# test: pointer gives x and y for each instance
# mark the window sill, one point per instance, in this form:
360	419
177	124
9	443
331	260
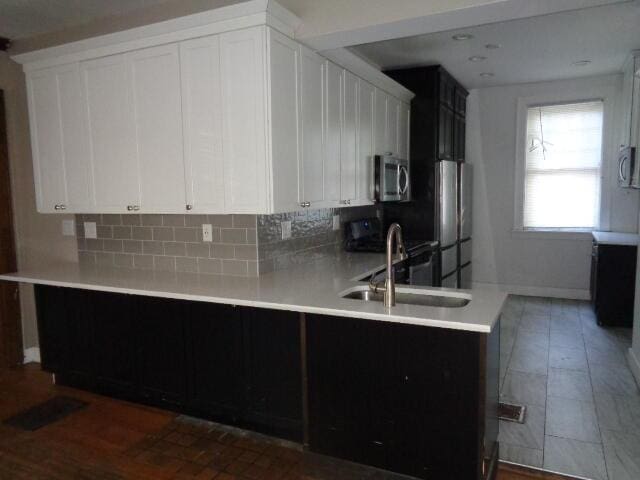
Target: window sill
552	234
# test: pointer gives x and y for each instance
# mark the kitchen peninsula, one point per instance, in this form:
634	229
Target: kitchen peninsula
413	389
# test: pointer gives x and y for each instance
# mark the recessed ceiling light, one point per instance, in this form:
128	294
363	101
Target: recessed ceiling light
477	58
462	36
581	63
492	46
486	75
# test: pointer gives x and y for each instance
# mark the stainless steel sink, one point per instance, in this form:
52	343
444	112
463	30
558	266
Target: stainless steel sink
367	295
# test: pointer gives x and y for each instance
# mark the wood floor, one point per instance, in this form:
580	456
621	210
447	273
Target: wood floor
113	440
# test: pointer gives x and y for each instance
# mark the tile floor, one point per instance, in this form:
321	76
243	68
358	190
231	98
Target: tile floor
583	405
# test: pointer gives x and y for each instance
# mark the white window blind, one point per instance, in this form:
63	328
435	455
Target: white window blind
562	171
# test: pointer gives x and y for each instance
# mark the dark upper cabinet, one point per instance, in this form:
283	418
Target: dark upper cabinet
446	125
160	354
214	349
460	101
273	376
459	138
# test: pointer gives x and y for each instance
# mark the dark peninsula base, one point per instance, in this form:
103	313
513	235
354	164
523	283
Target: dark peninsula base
415	400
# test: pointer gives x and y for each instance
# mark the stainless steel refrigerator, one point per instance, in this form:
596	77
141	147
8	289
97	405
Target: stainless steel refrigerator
453	222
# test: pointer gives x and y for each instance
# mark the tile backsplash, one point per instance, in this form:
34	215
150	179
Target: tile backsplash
243	245
171	243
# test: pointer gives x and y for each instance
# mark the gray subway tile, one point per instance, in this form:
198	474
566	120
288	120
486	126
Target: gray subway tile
82	244
111	219
87	258
132	220
142	233
173	220
163	233
222	251
186	234
195	220
152	247
143	261
252	268
123	260
122	232
209	265
221	220
132	246
233	235
198	250
175	249
235	267
104	231
113	246
104	259
92	217
152	220
186	264
252	238
244	221
94	245
165	264
246	252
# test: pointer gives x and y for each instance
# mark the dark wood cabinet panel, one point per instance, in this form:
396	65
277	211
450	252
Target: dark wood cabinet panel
459	138
613	273
273	372
215	364
446	125
52	327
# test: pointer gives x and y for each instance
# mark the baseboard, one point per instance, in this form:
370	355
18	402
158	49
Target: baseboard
571	293
634	364
32	355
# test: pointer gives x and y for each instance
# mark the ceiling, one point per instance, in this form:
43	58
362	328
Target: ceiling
532	49
24	18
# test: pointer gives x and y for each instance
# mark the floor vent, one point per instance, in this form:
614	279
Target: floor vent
45	413
511	413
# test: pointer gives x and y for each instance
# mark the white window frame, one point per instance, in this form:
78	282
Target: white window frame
606	94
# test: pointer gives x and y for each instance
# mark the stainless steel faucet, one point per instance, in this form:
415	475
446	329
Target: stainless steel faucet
389	288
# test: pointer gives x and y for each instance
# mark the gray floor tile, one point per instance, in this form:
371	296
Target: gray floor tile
567	325
529	434
570	340
619	413
622	454
521	455
529	358
573	457
528	338
535	323
525	388
571	384
603	339
614	380
572	419
568	358
611	355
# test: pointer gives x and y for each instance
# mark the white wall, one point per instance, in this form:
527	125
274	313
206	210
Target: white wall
534	263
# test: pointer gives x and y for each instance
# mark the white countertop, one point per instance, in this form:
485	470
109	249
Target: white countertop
614	238
309	288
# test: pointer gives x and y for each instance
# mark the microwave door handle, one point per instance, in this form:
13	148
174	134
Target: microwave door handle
621	174
404	171
398	190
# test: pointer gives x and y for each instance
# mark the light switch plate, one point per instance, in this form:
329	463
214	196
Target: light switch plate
68	228
336	222
286	229
207	232
90	230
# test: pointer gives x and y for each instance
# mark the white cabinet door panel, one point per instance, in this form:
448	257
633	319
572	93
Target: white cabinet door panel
112	133
393	112
312	112
333	139
202	123
243	113
349	146
155	74
364	167
380	131
284	100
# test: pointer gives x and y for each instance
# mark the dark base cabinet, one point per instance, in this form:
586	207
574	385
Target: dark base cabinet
414	400
234	365
613	283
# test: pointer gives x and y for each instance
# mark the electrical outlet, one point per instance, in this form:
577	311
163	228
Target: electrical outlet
336	222
68	228
286	229
90	230
207	232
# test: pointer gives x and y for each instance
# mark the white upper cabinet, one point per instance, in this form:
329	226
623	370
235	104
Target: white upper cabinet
155	76
364	166
333	137
285	122
380	145
393	112
202	121
242	55
112	133
59	141
312	80
349	143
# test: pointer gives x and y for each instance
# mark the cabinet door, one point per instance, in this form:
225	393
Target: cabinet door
160	350
52	327
202	123
333	130
155	75
284	105
57	113
273	378
112	133
243	120
445	133
312	83
364	167
214	361
393	114
349	143
459	137
404	119
381	120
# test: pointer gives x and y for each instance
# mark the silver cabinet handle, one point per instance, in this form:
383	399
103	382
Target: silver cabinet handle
60	206
305	204
133	208
343	202
189	207
388	154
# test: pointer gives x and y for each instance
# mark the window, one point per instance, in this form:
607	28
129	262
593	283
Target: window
562	166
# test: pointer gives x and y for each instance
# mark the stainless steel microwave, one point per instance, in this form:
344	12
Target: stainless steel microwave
391	179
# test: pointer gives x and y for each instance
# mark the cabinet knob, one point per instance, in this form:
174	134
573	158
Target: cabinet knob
133	208
129	208
189	207
388	154
60	207
305	204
